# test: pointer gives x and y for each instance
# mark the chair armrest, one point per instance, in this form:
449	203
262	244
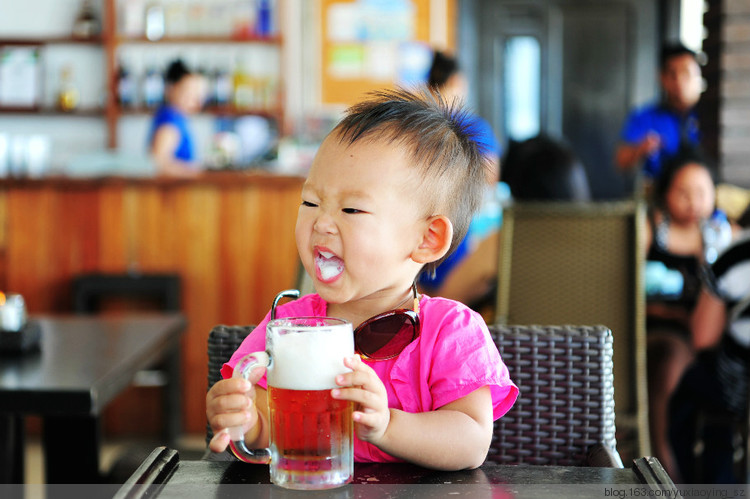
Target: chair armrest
603	456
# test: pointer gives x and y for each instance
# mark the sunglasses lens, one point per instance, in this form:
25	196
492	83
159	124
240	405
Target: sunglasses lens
385	337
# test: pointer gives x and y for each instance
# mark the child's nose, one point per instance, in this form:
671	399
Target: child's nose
324	224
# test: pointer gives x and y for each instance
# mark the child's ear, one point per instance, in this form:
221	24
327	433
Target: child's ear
436	240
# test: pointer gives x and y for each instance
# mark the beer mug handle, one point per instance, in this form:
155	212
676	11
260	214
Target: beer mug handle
242	369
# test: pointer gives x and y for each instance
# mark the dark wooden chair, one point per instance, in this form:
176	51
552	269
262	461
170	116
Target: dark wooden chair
565	412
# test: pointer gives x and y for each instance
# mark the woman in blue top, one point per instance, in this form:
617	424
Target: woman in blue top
170	139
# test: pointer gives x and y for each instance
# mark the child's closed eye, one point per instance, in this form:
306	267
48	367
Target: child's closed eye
352	211
309	204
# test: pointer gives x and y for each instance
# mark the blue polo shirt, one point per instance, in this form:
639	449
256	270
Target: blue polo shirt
167	115
673	128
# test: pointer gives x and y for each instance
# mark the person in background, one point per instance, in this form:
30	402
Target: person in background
716	384
653	133
446	78
544	169
170	139
391	190
684	230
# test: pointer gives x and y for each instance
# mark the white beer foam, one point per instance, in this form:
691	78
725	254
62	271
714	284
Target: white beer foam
304	361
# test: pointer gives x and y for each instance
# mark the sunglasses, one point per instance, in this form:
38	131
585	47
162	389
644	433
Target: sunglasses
382	337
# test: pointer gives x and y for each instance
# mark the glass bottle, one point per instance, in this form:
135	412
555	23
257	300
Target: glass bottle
67	95
153	88
222	87
154	21
244	86
125	87
87	23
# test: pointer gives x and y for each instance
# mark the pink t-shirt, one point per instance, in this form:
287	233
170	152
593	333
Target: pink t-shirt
453	356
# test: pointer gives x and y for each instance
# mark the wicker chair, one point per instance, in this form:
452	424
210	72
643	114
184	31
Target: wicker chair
565	412
566	368
579	263
222	342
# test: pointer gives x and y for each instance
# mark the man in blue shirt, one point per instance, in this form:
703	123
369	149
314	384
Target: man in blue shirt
655	132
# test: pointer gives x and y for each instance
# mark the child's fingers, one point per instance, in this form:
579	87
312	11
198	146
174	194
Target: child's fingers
358	396
362	375
371	419
220	441
229	386
229	403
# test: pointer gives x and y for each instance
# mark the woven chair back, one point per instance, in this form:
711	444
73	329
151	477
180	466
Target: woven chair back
222	342
581	263
566	401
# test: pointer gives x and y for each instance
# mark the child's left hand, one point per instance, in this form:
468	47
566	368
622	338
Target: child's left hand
363	387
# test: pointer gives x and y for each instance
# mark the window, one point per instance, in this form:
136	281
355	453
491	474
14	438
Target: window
521	99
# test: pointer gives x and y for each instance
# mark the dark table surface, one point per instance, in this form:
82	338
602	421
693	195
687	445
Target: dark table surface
165	475
83	363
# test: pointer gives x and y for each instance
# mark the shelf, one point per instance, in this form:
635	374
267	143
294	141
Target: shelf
69	40
48	111
272	40
213	110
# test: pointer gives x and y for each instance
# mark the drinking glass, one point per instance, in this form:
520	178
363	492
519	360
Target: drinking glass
311	433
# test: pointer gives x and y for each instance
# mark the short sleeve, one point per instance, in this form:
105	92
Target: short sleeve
464	358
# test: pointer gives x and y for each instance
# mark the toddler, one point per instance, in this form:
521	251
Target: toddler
390	193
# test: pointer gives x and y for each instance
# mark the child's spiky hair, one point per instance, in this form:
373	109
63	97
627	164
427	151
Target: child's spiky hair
439	139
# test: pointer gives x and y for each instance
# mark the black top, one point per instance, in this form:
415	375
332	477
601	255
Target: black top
687	265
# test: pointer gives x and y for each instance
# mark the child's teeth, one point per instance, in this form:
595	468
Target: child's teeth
326	254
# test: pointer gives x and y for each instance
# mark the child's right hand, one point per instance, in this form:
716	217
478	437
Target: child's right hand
231	403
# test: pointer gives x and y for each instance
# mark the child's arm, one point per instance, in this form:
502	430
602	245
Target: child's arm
238	402
455	436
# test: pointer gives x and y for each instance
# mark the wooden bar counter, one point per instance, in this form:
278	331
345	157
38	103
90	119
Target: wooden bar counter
229	236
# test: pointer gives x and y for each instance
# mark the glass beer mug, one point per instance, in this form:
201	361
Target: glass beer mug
311	433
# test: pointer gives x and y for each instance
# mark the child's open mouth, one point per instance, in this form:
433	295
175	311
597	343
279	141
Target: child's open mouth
328	266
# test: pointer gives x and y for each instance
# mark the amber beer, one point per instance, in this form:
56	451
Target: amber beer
310	431
311	434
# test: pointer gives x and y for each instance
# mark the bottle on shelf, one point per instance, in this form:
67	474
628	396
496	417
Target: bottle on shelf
244	86
153	88
126	87
67	94
87	23
221	87
244	19
263	23
132	18
154	21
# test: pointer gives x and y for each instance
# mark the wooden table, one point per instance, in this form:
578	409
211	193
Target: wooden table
162	474
83	363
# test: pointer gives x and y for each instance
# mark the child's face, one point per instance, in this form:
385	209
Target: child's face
691	195
360	219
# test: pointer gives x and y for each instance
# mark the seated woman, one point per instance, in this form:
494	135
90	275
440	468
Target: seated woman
684	230
717	382
170	139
